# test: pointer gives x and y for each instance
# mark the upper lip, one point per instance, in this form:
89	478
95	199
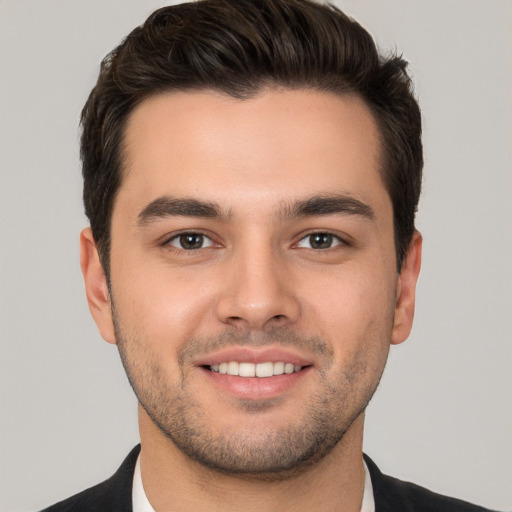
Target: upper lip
254	355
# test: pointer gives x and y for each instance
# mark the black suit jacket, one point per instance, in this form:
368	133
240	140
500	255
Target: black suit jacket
391	495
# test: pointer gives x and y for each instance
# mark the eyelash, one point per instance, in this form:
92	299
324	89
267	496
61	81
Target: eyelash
332	238
168	243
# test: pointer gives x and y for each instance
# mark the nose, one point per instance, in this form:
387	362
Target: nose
258	292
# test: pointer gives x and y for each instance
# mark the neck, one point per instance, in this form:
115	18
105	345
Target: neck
172	481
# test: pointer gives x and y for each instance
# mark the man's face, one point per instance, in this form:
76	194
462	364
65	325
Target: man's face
253	236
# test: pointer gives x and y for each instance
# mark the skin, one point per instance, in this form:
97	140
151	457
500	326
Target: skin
257	284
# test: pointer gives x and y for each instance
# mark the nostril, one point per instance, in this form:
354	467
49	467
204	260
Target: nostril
245	310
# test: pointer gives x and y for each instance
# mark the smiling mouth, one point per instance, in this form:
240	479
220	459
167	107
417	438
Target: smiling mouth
242	369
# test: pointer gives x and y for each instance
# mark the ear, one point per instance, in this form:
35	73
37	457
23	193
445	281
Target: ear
406	291
96	287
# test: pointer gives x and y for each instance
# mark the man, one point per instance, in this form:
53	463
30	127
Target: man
251	175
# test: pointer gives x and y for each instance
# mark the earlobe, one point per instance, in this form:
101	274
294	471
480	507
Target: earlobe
406	291
96	287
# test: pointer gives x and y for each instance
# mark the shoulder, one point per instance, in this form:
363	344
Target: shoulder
392	494
112	494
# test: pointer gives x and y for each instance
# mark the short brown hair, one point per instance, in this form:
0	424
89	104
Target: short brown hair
240	47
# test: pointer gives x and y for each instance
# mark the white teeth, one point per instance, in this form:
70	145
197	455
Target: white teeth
233	368
264	370
255	370
278	368
247	370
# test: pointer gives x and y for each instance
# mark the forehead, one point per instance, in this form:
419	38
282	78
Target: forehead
276	146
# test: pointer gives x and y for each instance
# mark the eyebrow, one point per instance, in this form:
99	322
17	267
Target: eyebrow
328	205
167	206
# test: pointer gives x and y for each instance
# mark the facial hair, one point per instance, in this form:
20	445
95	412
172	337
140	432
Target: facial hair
327	413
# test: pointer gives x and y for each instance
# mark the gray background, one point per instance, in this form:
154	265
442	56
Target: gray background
443	414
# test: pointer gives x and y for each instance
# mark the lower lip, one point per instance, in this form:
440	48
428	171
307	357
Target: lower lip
256	388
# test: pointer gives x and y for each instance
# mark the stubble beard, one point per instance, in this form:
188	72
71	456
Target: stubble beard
272	455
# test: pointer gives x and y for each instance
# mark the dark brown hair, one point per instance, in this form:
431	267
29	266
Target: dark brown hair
240	47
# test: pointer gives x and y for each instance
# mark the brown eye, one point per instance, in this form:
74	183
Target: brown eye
319	241
190	241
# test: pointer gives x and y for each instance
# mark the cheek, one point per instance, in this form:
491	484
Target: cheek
355	307
161	308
